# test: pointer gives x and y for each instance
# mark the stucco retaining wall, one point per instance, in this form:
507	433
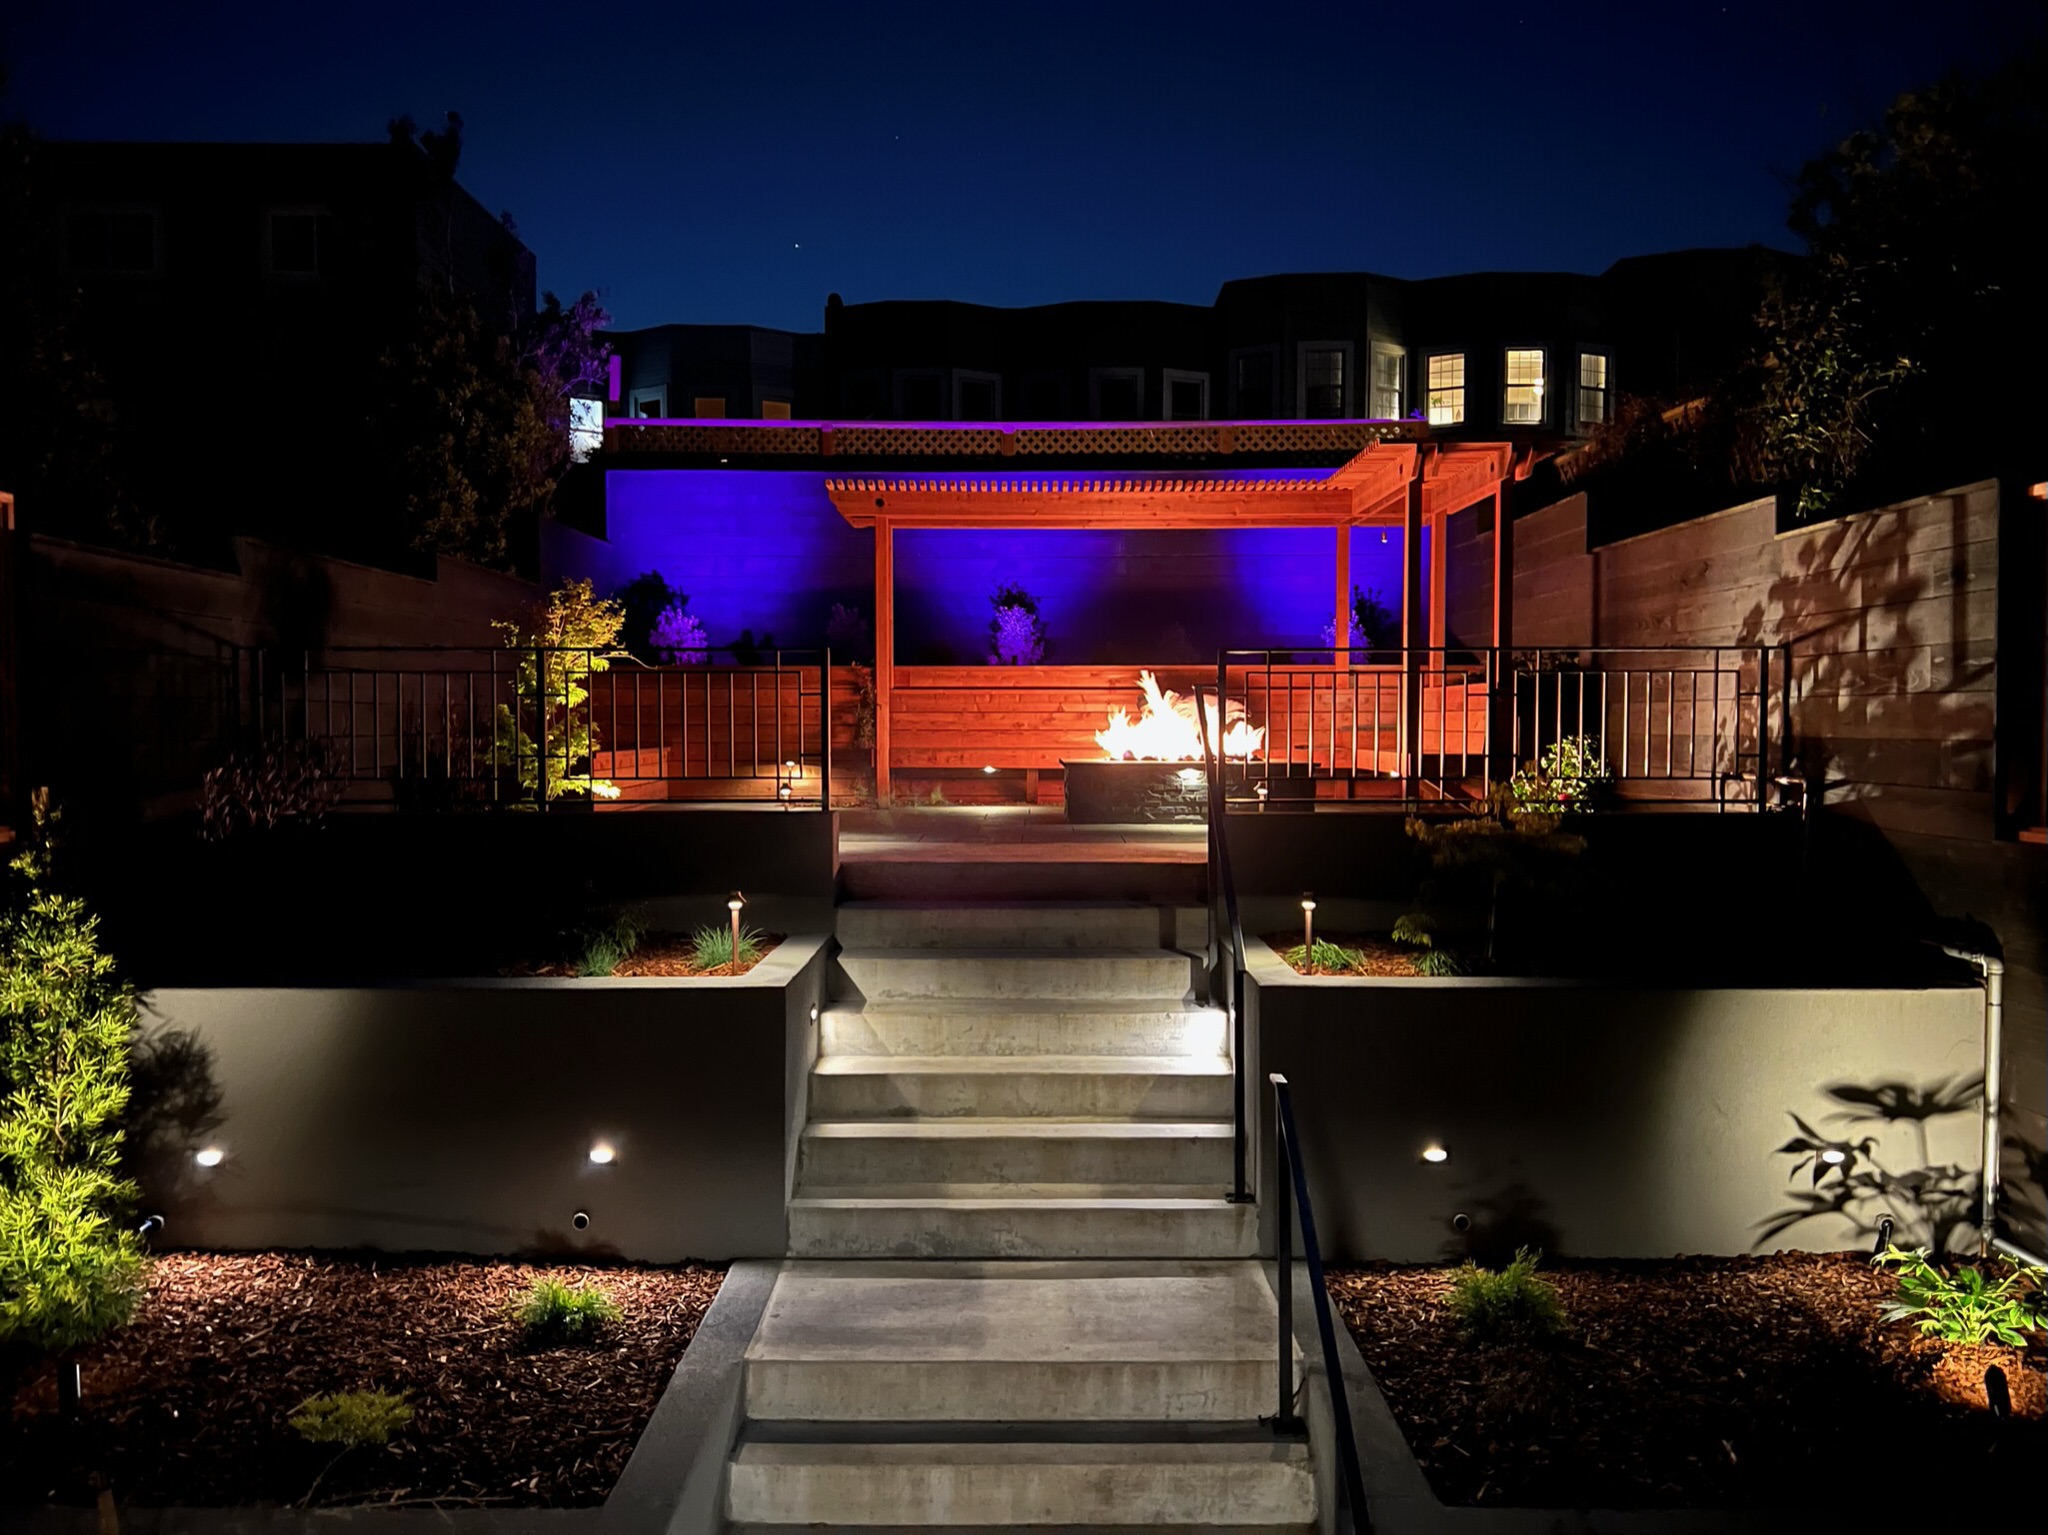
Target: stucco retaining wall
458	1117
1621	1122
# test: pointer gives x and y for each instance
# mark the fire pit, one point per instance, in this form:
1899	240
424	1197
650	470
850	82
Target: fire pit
1151	766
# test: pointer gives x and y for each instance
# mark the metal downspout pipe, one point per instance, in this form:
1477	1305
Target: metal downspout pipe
1991	969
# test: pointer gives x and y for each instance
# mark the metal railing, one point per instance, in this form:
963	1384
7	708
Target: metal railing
442	726
1290	1178
1669	724
1226	953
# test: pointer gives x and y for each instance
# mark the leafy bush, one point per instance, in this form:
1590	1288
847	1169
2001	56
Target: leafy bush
642	601
1016	634
351	1419
1567	775
1373	624
262	789
568	639
600	946
1511	1305
712	947
552	1312
1475	861
678	638
71	1267
1322	955
1966	1304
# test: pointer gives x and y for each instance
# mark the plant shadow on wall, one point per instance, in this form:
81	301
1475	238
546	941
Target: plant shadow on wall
174	1106
1858	1176
1499	1225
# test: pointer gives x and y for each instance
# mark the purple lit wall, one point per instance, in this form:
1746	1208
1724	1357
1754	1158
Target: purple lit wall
765	550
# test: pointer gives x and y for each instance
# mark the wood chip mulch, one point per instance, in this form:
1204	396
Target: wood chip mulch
1376	956
663	954
1695	1382
187	1405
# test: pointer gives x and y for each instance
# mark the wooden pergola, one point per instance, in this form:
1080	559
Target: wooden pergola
1408	484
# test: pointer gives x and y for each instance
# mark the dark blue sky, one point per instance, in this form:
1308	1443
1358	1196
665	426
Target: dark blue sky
738	163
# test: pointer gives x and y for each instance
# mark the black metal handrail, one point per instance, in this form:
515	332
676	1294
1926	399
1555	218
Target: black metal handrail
1225	930
1289	1176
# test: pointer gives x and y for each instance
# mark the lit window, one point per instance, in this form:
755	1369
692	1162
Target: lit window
1592	388
1521	401
1447	389
708	405
294	249
1322	382
586	428
1386	381
775	410
99	240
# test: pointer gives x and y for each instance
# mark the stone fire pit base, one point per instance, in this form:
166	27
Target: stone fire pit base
1101	793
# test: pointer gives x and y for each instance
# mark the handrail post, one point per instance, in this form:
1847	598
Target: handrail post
1763	725
540	727
1285	1420
825	730
1223	926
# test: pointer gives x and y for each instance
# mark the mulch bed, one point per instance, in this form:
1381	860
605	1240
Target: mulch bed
1376	956
187	1406
1695	1382
662	954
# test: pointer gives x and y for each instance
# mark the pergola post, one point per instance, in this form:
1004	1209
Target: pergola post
885	649
1439	562
1340	634
1413	636
1500	713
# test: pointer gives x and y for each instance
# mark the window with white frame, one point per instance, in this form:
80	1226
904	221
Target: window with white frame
1446	391
1388	363
1521	398
586	428
1322	381
1187	396
1592	388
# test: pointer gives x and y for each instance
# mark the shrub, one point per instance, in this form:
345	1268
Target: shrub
601	945
1966	1304
1476	860
1567	775
568	639
713	947
552	1312
1373	624
641	602
351	1419
678	638
71	1267
1508	1306
1322	955
264	788
1016	634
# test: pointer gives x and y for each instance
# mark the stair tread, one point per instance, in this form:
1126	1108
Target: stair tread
848	1065
1267	1451
963	1127
1079	1007
980	1196
1008	955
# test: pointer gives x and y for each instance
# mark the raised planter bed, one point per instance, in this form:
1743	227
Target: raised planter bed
1768	1382
188	1405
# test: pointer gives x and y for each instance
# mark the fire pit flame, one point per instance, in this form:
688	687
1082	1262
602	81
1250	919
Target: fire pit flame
1167	730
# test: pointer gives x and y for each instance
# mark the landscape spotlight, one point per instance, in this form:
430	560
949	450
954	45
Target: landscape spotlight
1435	1153
602	1154
209	1156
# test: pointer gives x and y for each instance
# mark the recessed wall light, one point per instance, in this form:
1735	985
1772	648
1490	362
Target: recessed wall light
602	1154
209	1156
1833	1157
1435	1153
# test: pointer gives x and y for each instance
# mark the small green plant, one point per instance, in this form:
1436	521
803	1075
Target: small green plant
1567	775
600	946
712	948
570	638
1322	955
1510	1305
351	1419
1965	1304
1439	962
937	795
552	1312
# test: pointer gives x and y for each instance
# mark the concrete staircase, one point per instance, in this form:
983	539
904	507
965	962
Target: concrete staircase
1017	1081
1037	1084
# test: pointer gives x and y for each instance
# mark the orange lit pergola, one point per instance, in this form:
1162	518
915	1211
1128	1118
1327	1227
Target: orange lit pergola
1408	484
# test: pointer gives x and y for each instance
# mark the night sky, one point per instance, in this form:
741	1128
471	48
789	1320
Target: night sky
738	162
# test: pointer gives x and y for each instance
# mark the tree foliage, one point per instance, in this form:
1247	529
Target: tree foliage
1919	288
570	638
70	1263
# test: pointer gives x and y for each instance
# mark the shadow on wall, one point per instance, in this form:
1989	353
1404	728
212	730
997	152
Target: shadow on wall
1496	1225
174	1105
1856	1177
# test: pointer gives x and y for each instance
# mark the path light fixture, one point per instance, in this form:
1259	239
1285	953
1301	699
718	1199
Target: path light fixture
1308	923
1261	791
733	905
603	1154
210	1156
1884	1237
1435	1154
783	793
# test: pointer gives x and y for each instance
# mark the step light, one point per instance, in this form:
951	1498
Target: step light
1433	1154
602	1154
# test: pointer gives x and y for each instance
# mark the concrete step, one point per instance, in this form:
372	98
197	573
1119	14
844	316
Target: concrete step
1245	1486
1079	1342
993	873
1084	975
1020	1086
1024	925
964	1220
1001	1151
1021	1027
